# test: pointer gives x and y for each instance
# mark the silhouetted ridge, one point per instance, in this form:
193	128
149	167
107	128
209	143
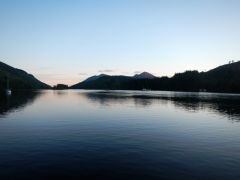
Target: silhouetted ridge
19	79
224	78
144	75
104	82
93	78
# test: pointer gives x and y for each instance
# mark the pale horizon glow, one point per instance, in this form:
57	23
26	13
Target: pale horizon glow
67	41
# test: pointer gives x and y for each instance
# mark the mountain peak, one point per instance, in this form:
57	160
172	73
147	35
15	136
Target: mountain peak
93	78
144	75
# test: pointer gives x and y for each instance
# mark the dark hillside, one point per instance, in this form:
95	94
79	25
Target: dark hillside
18	79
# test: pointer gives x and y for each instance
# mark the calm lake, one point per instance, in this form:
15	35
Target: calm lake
119	135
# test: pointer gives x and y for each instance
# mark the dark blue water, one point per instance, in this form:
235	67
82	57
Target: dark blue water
119	135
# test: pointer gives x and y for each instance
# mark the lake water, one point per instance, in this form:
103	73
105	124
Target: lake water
119	135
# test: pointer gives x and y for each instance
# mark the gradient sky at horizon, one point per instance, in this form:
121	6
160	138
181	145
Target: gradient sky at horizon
65	41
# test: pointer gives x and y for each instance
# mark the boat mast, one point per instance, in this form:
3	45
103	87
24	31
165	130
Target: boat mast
7	82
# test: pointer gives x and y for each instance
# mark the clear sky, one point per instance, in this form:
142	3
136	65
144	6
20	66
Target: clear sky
65	41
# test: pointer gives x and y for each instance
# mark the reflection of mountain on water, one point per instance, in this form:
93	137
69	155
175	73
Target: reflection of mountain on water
18	99
225	104
111	99
228	106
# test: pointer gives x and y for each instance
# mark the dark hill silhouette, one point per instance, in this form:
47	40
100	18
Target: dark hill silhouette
19	79
93	78
144	75
104	82
224	78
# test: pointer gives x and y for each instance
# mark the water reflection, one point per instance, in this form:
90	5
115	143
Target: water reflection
108	99
119	135
224	104
17	100
60	92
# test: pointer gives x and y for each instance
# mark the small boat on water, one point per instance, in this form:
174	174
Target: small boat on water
8	91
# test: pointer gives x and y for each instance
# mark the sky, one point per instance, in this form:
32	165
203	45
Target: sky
66	41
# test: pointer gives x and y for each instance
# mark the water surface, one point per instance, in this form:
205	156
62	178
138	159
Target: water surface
119	135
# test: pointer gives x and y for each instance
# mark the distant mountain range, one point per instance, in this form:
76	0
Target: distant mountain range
224	78
104	81
19	79
144	75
